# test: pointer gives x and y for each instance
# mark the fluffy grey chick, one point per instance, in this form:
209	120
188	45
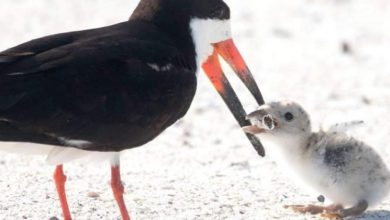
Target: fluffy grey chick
346	171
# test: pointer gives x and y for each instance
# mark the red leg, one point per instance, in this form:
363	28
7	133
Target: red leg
314	209
117	189
356	210
60	179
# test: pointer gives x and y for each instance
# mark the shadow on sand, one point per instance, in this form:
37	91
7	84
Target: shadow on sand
374	215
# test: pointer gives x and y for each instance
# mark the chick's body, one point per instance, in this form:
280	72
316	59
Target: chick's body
346	171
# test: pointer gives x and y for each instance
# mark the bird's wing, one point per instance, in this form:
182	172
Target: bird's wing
51	88
34	47
27	71
26	58
338	154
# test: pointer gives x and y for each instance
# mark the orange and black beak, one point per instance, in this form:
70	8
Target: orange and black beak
228	51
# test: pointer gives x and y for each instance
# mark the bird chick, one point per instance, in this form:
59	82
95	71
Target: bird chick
346	171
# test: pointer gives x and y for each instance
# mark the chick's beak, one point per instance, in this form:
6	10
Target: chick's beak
212	67
261	121
253	129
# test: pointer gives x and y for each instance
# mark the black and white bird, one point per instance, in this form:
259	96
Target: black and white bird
346	171
101	91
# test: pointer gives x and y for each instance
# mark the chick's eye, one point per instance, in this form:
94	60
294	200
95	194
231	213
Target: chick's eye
289	116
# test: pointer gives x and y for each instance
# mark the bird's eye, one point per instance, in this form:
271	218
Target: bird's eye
289	116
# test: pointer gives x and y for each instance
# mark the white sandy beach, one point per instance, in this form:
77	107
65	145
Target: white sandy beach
203	167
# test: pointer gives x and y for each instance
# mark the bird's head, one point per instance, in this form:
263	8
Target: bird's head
207	24
204	26
282	122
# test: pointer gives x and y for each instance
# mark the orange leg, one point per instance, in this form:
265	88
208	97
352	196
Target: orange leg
117	189
314	209
60	179
356	210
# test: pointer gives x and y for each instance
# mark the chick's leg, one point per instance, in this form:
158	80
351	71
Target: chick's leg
314	209
356	210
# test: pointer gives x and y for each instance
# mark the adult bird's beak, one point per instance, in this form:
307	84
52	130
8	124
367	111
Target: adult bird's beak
212	67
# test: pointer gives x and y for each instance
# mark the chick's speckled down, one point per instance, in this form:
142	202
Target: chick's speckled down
346	170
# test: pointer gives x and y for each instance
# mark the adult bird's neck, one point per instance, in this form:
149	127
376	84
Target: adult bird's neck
171	19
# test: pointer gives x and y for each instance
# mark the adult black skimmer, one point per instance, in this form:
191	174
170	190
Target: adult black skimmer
117	87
